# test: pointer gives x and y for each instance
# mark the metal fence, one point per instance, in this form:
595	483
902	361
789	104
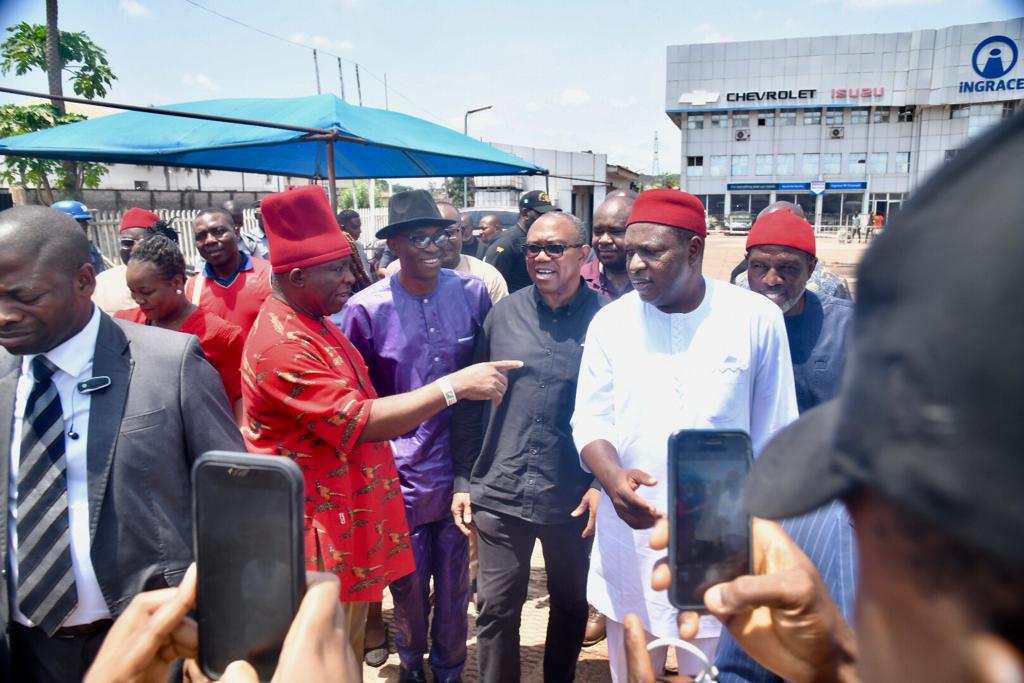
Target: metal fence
105	226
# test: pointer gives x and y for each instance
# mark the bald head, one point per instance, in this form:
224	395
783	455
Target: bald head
779	206
609	233
234	209
45	236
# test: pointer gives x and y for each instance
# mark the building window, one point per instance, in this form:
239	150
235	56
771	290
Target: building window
763	164
879	162
903	162
905	114
695	121
719	165
1009	108
765	119
809	166
787	118
833	117
785	164
740	164
812	117
858	116
831	164
694	166
959	111
741	120
719	120
881	115
951	154
856	163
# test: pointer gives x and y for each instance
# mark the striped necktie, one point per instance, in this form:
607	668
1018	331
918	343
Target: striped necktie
46	582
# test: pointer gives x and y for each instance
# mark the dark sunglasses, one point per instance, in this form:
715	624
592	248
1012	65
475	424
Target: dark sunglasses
553	250
438	239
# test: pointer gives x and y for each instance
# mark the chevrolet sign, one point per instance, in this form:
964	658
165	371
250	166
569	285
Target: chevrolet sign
770	95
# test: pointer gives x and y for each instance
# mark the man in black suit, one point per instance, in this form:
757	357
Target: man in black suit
101	421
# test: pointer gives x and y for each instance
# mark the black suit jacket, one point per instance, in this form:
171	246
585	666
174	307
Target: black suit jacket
164	408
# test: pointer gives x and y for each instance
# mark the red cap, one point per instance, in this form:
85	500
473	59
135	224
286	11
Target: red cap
301	229
138	218
673	208
783	228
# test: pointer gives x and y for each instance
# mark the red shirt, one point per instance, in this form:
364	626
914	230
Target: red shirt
592	273
307	395
221	341
239	302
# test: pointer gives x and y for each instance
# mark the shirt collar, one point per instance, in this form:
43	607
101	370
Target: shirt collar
245	264
73	355
571	307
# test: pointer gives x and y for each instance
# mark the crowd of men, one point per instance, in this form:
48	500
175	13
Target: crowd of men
455	411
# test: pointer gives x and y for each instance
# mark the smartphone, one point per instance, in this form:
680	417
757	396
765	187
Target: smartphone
247	513
709	541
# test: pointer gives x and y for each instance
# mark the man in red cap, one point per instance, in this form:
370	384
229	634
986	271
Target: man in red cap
232	284
679	352
112	293
307	395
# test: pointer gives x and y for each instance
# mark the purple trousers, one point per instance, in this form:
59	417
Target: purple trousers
442	554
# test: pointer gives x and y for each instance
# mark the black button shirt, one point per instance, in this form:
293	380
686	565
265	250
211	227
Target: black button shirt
519	459
506	254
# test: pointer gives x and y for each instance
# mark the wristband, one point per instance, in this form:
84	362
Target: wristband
449	393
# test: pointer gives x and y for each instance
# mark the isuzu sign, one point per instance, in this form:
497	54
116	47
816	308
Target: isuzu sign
770	95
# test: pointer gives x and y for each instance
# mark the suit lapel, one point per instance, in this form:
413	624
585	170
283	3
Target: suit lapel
106	410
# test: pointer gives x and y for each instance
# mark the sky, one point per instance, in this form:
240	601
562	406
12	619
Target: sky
571	75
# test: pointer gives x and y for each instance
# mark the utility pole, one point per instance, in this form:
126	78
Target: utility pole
465	131
341	79
316	67
359	86
655	166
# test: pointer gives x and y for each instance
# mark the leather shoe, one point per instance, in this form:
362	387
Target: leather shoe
406	676
596	631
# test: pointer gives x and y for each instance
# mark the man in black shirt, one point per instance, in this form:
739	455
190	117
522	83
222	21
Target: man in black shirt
471	244
506	252
517	462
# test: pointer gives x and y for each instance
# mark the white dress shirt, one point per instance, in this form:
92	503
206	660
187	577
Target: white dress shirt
646	374
470	265
73	360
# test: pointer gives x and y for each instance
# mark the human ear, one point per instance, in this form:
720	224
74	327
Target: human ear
994	660
297	277
85	280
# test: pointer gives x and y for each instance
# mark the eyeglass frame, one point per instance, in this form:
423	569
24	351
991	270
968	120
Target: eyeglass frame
449	233
529	247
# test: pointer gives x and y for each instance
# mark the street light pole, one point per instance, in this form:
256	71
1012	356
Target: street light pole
465	131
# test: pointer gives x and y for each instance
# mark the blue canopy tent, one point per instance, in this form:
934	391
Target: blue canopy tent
319	136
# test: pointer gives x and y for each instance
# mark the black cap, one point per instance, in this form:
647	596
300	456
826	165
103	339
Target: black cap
931	413
538	200
411	209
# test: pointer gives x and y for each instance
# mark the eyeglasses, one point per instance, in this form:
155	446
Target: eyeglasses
531	250
438	239
130	242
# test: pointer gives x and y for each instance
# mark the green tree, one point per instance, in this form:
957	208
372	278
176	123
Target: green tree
33	46
363	194
453	186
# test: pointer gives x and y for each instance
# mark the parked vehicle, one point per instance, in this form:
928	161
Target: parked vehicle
739	222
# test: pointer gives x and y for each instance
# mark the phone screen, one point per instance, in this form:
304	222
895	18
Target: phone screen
710	535
250	578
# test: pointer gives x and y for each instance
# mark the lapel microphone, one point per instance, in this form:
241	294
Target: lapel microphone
86	386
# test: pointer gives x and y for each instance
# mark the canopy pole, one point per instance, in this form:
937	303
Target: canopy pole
332	188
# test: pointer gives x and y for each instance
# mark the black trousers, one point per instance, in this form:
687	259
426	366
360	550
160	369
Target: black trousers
37	658
505	545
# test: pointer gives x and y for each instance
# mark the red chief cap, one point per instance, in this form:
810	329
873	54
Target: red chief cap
783	228
138	218
673	208
301	229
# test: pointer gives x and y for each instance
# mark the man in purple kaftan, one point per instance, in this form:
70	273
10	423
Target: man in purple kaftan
413	329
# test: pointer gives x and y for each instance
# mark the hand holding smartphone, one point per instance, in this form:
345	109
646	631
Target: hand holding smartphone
248	526
709	540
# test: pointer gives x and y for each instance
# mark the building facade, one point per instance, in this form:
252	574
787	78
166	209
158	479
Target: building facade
839	124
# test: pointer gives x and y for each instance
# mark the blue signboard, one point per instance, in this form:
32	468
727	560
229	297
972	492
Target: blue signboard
795	187
750	186
858	185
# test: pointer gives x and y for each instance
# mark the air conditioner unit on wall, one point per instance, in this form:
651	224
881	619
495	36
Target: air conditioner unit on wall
742	135
836	133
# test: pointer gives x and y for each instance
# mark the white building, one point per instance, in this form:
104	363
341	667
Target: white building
836	123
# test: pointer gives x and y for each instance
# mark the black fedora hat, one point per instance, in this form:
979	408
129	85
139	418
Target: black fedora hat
411	209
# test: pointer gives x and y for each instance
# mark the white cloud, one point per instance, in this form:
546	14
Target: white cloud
320	42
199	81
573	97
886	4
623	102
533	107
706	33
134	8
